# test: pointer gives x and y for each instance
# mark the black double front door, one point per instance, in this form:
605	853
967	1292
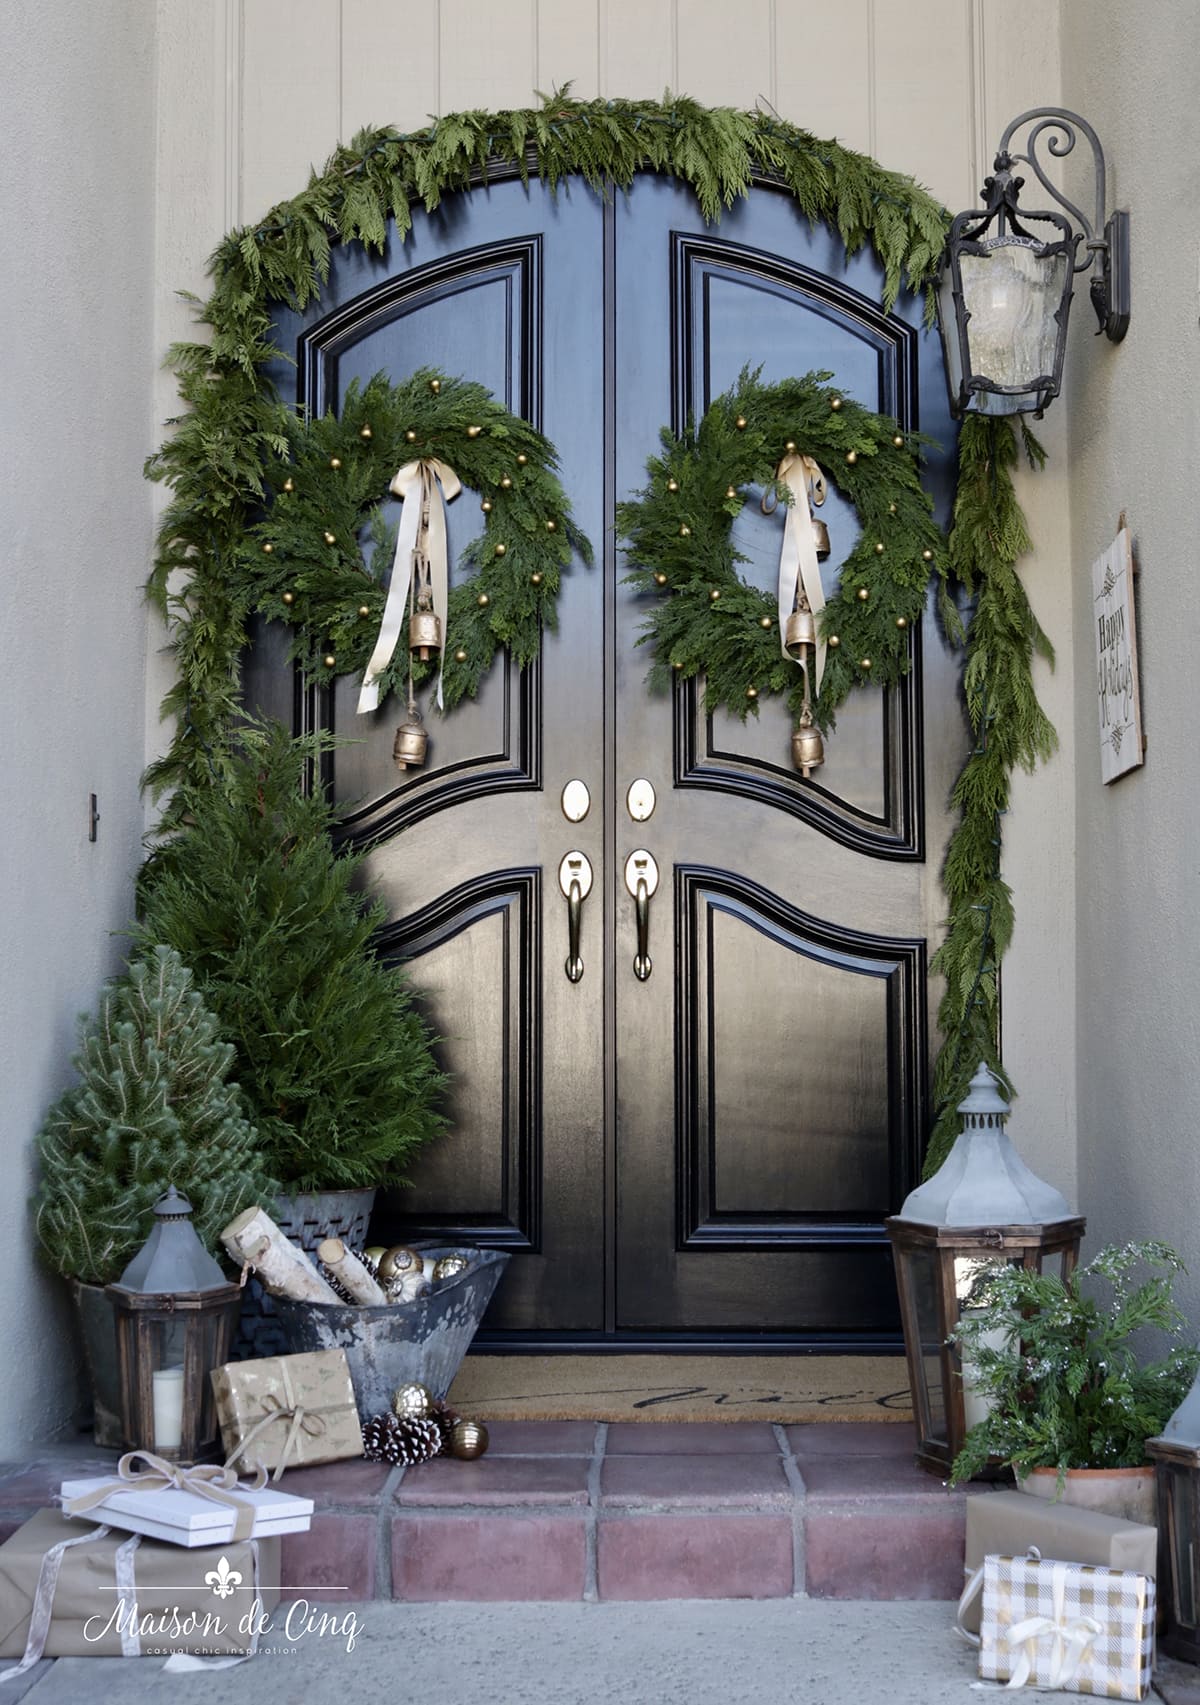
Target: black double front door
708	1153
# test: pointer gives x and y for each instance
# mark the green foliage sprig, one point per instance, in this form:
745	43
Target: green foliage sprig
1066	1385
708	620
332	1055
303	562
153	1106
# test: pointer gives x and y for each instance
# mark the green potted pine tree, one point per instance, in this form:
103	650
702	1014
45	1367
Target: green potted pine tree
153	1106
334	1058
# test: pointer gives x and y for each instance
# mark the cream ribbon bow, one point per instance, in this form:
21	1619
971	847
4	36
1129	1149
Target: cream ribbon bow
798	555
207	1480
1071	1639
425	488
295	1414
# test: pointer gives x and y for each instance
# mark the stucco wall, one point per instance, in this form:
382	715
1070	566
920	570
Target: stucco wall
76	283
1135	437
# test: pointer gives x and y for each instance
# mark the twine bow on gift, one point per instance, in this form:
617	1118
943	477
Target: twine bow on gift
206	1480
1071	1639
299	1420
425	487
798	567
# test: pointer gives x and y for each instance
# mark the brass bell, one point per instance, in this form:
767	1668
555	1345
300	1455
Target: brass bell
800	631
411	742
820	538
424	633
808	748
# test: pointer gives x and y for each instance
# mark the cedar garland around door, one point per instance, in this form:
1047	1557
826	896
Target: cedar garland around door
231	434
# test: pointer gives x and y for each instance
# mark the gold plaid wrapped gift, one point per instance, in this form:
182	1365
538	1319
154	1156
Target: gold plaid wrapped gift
1072	1626
287	1411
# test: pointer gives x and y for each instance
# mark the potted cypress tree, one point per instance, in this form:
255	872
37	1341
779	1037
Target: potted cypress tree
1061	1368
334	1058
153	1106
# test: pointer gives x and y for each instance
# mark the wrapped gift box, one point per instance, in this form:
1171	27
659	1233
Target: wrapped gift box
188	1518
1008	1523
288	1411
170	1587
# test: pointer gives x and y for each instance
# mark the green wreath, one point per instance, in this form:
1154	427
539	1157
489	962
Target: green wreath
303	562
711	621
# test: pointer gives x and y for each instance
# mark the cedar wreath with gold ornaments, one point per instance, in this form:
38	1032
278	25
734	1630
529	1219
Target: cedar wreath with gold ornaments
711	622
303	562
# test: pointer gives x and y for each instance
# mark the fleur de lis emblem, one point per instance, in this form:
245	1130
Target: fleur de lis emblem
223	1579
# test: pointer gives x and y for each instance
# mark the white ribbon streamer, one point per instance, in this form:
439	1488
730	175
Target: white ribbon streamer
798	554
425	488
43	1601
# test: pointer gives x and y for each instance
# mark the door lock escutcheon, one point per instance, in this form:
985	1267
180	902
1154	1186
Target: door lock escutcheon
575	882
641	879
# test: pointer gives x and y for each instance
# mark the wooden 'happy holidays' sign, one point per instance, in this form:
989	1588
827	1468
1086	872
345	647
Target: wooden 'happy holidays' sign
1118	697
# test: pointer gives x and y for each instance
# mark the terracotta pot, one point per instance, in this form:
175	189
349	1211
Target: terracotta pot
1124	1492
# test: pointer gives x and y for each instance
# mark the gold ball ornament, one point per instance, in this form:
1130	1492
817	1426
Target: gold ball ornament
330	538
901	621
677	665
864	663
751	692
395	1262
879	547
833	642
335	461
365	432
891	508
715	594
535	579
926	556
268	548
660	578
552	526
864	592
329	660
506	484
460	656
790	447
410	436
289	597
835	403
468	1439
731	491
450	1266
412	1402
685	532
522	459
898	440
474	431
289	484
672	485
486	506
501	548
364	609
483	600
852	457
740	423
765	622
435	386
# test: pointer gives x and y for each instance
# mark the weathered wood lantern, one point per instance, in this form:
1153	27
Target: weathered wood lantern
175	1315
981	1208
1176	1455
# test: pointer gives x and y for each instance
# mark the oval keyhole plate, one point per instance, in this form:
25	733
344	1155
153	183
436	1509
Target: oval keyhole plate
576	801
641	799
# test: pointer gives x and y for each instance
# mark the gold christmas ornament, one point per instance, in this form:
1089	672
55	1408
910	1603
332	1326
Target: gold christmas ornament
901	621
740	423
329	660
879	547
412	1402
330	538
731	491
474	431
289	484
468	1439
364	609
715	594
535	579
435	386
506	483
751	692
424	633
765	622
852	457
501	548
891	508
660	578
833	641
365	431
410	436
790	447
268	548
450	1266
898	440
926	556
335	461
460	656
864	663
522	459
483	600
552	526
289	597
398	1260
486	506
685	531
676	665
672	485
864	592
835	403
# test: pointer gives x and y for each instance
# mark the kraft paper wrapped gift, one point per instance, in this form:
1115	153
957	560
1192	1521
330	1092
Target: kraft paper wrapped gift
288	1411
1071	1626
1008	1523
168	1584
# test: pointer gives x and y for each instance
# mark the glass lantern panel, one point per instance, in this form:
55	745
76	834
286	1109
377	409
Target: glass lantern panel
924	1269
166	1344
1012	292
968	1270
1183	1545
948	325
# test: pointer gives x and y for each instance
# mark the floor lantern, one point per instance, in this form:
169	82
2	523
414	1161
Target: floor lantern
175	1314
1176	1455
983	1207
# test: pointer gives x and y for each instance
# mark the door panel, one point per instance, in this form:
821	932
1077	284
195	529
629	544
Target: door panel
710	1152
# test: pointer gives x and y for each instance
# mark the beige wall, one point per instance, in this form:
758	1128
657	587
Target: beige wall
75	279
1135	439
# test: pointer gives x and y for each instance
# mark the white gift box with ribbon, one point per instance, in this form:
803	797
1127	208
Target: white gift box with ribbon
205	1505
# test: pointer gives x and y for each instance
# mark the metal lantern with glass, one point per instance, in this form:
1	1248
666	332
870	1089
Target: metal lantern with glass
175	1314
1176	1456
1008	274
982	1207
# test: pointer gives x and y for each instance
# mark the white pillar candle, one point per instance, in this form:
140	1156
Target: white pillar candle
976	1406
168	1408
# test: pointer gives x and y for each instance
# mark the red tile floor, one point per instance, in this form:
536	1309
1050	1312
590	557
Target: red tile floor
570	1510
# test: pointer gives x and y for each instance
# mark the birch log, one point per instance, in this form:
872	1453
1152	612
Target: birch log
344	1266
253	1239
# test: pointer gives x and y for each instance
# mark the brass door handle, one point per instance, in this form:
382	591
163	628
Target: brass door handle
575	882
641	879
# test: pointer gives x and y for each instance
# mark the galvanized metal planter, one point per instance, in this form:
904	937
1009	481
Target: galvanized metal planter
424	1340
305	1220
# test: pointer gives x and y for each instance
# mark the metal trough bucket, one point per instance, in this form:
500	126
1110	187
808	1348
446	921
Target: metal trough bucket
424	1340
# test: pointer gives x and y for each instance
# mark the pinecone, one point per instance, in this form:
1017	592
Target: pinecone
387	1439
443	1418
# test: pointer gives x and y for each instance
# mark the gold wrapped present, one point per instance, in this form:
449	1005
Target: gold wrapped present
1070	1626
287	1411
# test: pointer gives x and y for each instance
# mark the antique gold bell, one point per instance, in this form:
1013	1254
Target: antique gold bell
424	633
800	631
820	538
411	742
808	748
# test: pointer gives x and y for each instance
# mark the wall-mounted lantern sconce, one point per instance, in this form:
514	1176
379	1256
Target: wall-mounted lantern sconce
1008	274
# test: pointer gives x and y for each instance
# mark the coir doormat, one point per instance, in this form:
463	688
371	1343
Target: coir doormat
683	1388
